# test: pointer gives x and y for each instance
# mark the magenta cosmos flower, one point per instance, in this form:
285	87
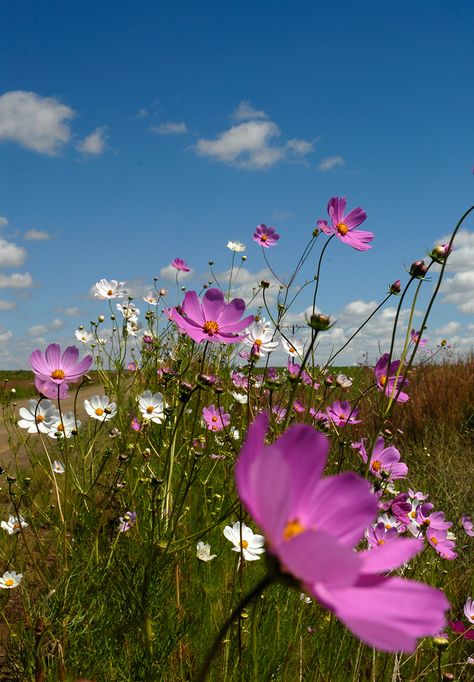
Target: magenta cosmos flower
265	236
344	226
342	414
213	319
216	419
180	264
385	376
312	524
54	372
385	461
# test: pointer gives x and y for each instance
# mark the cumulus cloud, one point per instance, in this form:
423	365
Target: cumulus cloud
7	305
253	144
95	143
171	128
17	280
331	162
37	235
11	255
3	221
458	288
41	330
5	334
37	123
246	111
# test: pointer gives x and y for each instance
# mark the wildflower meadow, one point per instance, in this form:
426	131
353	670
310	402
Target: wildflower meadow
177	505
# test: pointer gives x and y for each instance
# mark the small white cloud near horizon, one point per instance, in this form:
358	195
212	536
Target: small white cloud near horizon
331	162
11	255
246	111
37	123
17	280
95	143
36	235
170	128
252	145
3	221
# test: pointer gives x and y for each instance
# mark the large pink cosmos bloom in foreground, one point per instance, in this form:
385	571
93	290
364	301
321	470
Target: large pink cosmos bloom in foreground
212	319
312	524
344	226
54	371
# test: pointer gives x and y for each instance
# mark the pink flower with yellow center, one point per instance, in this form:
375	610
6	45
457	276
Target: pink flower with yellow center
385	376
344	226
212	319
265	236
54	370
312	525
216	419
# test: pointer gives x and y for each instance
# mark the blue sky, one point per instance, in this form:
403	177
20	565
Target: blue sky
132	133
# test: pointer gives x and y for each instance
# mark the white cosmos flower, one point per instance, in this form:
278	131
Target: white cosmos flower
203	552
14	524
58	467
109	289
83	336
241	398
237	247
252	544
10	579
151	406
294	347
343	381
260	334
100	408
129	311
469	610
63	428
151	299
38	416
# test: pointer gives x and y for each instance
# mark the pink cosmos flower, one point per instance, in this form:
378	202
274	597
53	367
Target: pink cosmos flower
434	520
265	236
54	372
379	535
439	540
344	226
414	335
342	414
467	525
459	627
216	419
180	264
385	462
213	319
385	376
312	524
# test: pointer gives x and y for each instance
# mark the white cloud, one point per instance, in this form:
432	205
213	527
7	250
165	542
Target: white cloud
5	334
169	272
36	235
11	255
37	330
252	145
7	305
3	221
16	280
95	143
459	288
245	111
331	162
71	312
171	128
37	123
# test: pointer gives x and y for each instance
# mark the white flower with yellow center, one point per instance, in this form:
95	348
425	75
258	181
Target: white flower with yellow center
38	416
64	427
151	406
293	346
100	408
83	336
10	579
105	289
58	467
260	335
245	541
203	551
14	524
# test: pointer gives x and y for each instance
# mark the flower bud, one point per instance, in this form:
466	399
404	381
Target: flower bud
163	292
319	322
316	231
441	252
264	283
418	269
101	318
244	258
206	380
396	287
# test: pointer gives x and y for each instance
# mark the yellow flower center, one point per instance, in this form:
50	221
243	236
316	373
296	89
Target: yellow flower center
244	544
434	541
211	327
213	419
383	380
39	418
60	427
388	526
258	342
263	237
342	228
150	409
9	582
58	374
99	412
16	526
380	542
292	350
292	529
110	292
376	466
